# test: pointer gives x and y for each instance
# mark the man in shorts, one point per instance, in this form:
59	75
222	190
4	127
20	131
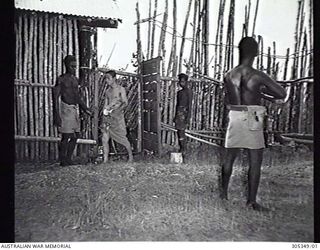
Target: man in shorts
66	112
245	88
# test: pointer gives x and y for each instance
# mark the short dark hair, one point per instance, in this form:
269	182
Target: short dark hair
112	73
68	59
248	47
183	76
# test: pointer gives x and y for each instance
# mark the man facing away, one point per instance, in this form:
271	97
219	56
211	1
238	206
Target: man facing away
245	88
114	124
183	110
66	115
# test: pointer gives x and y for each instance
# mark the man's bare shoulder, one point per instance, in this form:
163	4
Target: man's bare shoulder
233	74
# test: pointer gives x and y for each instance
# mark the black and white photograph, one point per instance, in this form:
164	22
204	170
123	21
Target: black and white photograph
164	121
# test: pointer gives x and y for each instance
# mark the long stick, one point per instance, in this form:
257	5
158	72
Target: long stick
255	18
50	139
183	36
149	31
174	38
310	72
221	39
248	17
24	113
76	45
195	138
206	38
191	61
30	78
164	28
294	67
154	26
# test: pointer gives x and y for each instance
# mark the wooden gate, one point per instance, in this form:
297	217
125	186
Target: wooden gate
150	99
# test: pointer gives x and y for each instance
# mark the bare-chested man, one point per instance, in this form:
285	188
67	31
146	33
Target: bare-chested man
183	110
114	123
245	87
66	115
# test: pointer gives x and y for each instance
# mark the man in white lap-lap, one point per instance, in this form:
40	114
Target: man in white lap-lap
245	88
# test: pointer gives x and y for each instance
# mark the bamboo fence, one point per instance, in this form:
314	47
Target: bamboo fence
42	40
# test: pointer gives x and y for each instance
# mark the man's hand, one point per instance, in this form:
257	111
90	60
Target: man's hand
107	111
279	101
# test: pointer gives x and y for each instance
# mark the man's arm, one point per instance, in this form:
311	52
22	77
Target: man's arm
189	104
271	88
56	110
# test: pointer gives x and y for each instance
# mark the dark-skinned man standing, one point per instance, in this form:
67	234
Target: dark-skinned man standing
183	110
66	112
245	88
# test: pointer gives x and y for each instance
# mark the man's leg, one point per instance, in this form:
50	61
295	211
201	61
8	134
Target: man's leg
105	143
71	146
255	161
64	148
231	154
182	140
129	150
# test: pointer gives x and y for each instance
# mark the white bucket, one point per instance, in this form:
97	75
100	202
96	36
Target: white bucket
176	158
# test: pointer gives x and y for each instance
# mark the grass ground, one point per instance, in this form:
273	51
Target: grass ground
157	201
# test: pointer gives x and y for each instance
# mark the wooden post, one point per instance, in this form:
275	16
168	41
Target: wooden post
310	72
29	90
154	26
191	61
255	18
139	59
46	81
24	110
161	49
183	36
221	40
149	31
174	39
206	38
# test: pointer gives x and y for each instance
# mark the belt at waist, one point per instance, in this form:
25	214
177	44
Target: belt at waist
237	107
75	106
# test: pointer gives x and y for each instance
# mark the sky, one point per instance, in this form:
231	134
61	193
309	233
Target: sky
275	22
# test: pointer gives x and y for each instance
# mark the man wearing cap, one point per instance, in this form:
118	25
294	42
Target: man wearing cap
183	110
66	112
245	88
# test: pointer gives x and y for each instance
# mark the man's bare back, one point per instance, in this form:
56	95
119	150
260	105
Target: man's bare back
247	86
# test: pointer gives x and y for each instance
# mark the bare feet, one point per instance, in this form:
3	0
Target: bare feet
257	207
